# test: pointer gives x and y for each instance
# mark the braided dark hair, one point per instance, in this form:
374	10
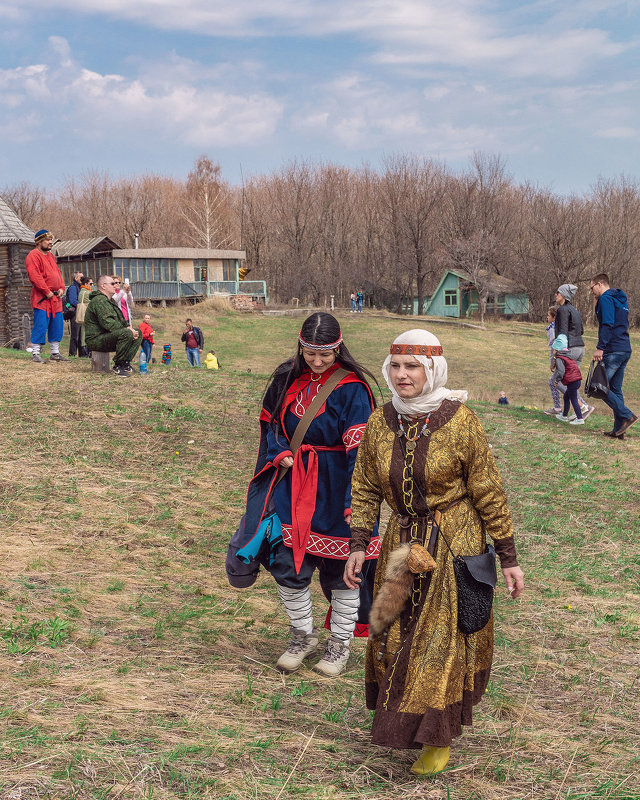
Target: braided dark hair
320	328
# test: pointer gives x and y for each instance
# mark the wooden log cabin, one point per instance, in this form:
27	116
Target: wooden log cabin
16	240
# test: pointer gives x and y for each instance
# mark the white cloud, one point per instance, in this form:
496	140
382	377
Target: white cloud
203	114
528	39
623	132
356	112
436	92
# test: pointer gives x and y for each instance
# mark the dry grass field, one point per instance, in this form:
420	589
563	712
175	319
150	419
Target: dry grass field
130	669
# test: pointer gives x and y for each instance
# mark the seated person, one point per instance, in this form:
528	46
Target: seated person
211	361
106	328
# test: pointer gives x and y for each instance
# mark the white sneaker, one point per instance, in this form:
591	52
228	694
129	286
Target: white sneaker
562	417
586	410
334	660
577	422
302	645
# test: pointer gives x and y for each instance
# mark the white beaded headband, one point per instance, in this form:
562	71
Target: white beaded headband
310	346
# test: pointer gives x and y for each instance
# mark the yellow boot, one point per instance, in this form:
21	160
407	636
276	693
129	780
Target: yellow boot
431	760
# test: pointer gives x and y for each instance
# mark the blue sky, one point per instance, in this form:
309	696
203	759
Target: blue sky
148	85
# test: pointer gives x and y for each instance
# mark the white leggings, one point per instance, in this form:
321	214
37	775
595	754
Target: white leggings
344	610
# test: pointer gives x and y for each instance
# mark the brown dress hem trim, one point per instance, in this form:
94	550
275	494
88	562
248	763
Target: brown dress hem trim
435	728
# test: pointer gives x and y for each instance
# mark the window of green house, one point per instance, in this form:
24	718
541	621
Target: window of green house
229	269
200	269
450	297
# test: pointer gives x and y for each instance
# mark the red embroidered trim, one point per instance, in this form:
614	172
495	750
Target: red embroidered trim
427	350
360	631
353	436
328	547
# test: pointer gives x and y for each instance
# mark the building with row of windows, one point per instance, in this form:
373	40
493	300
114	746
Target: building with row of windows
161	273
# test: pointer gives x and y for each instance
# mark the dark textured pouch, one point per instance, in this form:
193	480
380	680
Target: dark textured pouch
476	578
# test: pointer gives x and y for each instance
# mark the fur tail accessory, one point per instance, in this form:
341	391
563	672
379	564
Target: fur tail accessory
404	563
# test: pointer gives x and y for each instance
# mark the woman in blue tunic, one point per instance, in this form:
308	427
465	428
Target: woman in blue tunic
313	499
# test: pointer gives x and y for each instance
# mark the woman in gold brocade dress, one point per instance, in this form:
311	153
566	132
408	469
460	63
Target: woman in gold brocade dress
423	676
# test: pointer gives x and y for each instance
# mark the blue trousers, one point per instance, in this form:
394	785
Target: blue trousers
146	349
44	324
193	356
614	365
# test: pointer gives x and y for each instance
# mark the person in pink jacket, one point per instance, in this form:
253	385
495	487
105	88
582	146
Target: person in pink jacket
123	298
46	293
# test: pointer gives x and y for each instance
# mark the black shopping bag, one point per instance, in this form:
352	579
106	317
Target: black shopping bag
597	383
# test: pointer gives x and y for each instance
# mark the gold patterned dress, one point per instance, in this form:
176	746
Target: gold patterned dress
429	675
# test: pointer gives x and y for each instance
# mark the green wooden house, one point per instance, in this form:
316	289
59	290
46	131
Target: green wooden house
456	296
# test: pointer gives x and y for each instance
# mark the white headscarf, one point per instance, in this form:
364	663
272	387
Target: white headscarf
435	367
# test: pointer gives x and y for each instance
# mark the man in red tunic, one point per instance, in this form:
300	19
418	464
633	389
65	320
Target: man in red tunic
48	288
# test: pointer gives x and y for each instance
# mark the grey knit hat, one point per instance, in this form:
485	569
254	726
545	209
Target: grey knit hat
568	291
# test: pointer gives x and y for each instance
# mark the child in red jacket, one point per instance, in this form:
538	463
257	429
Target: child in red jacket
566	370
147	337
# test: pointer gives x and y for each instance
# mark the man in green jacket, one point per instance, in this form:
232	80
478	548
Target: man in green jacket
106	328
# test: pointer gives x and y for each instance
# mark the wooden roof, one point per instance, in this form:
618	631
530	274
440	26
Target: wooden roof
179	252
82	247
12	228
494	282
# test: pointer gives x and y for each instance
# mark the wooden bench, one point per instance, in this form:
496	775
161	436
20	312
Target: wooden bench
101	362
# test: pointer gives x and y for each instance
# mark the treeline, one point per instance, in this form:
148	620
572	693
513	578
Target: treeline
312	230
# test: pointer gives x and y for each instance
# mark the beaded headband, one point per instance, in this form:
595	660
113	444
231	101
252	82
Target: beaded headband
428	350
310	346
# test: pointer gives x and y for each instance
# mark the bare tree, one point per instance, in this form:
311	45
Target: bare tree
477	223
28	202
206	208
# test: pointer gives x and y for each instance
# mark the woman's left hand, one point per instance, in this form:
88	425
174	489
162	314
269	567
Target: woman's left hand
514	578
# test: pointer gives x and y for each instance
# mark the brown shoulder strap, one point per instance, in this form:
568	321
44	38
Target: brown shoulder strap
309	415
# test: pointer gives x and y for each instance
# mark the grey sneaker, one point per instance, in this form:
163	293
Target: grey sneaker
37	359
586	410
334	660
562	418
302	645
551	412
58	357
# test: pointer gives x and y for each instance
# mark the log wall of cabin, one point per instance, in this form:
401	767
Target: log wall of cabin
15	291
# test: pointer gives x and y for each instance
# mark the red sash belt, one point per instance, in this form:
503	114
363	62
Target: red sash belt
304	488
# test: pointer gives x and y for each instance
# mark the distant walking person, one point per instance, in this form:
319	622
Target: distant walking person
569	323
194	343
566	371
556	394
48	288
360	299
614	348
353	302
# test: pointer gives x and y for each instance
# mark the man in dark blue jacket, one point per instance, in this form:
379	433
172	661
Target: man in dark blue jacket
614	348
